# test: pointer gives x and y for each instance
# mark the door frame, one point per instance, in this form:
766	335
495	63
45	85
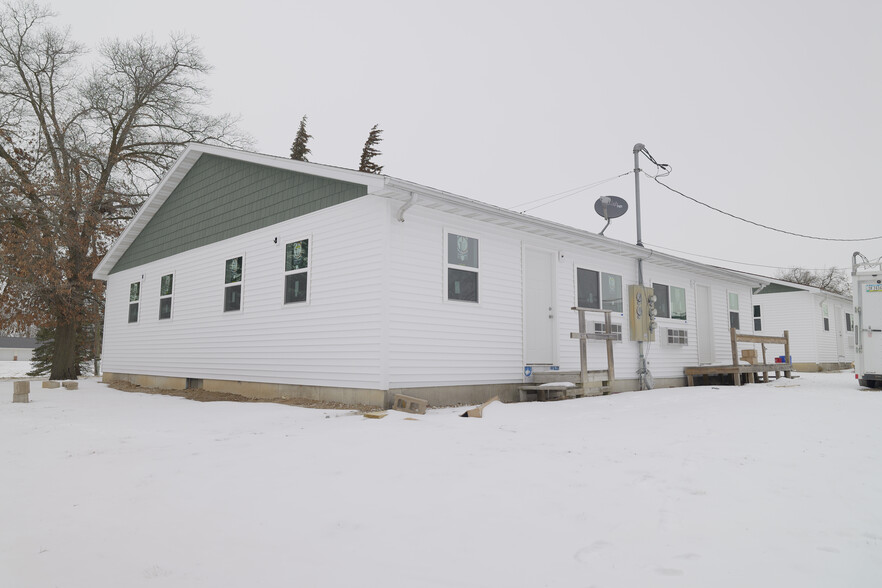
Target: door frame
701	318
552	255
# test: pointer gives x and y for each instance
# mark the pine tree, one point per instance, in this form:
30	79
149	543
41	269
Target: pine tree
369	152
299	150
41	361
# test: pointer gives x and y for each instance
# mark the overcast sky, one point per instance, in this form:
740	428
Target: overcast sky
767	109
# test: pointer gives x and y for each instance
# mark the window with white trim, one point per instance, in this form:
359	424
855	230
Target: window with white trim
757	318
614	329
296	271
849	326
462	268
670	301
233	274
611	291
598	290
587	288
734	317
826	316
134	301
166	290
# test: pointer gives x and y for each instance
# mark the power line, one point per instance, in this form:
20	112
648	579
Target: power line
565	193
742	262
754	222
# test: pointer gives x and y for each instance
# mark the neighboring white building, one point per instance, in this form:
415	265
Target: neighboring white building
17	348
271	277
821	324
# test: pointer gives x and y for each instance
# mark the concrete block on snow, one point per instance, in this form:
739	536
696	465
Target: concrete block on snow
51	384
72	385
409	404
20	391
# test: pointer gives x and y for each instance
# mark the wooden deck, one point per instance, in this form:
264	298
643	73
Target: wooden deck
750	372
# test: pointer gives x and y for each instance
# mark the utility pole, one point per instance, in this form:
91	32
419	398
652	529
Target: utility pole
641	366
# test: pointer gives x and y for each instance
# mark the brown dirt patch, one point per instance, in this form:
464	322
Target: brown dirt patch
201	395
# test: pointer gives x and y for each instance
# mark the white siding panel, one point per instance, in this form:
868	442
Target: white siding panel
434	341
802	314
334	340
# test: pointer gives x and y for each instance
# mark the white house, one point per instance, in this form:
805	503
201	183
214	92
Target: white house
821	323
16	348
270	277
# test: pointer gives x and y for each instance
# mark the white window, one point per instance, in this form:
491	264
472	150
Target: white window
849	326
166	292
598	290
757	318
826	316
134	301
678	337
614	329
297	271
233	277
734	317
462	268
670	301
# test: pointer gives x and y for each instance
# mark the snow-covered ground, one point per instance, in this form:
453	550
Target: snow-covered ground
14	369
775	484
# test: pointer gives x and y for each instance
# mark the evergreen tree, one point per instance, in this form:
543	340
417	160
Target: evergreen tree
299	150
370	151
45	351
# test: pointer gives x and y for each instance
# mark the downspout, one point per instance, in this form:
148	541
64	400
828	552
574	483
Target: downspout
411	201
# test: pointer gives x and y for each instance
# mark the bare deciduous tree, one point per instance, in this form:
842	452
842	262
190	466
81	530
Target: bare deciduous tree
79	152
831	279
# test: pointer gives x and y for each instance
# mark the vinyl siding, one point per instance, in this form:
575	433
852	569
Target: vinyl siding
801	314
221	198
333	340
434	341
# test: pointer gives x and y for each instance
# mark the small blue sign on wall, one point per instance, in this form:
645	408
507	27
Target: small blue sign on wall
528	371
555	367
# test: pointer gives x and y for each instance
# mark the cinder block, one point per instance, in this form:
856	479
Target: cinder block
409	404
51	384
72	385
20	391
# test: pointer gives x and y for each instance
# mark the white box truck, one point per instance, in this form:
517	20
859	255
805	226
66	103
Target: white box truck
866	285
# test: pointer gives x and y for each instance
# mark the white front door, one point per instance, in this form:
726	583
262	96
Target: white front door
704	319
539	306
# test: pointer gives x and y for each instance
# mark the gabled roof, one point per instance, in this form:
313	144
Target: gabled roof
777	286
18	342
409	194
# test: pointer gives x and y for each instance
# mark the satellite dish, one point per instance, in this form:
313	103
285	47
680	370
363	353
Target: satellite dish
610	207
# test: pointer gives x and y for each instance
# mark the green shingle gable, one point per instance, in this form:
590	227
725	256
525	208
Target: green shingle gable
221	198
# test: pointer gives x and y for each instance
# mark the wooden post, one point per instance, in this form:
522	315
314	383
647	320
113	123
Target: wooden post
610	362
765	374
736	377
583	352
787	374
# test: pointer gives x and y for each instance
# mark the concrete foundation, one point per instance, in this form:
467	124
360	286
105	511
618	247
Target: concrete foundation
434	395
831	366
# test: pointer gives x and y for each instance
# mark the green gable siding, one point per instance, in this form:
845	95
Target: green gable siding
776	289
221	198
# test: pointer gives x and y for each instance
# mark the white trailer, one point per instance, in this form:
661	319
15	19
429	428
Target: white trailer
866	279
